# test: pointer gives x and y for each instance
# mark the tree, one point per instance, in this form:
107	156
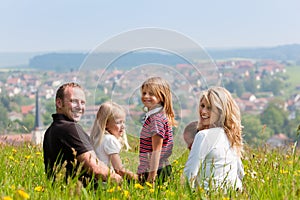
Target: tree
236	87
251	83
291	126
3	118
274	117
48	110
28	122
254	132
276	86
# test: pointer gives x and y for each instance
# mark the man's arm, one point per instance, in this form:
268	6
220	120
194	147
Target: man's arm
97	167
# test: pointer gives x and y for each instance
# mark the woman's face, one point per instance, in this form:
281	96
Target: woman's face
209	114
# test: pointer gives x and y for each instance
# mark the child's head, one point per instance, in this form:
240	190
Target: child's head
156	90
189	133
110	119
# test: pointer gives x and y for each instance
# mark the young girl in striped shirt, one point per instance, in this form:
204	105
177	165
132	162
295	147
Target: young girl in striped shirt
156	137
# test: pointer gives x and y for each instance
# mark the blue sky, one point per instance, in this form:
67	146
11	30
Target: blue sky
76	25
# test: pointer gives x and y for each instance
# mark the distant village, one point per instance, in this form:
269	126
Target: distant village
26	83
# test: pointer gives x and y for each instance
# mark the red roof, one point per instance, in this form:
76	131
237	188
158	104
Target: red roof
26	109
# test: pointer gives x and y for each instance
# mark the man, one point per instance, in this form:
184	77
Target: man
65	142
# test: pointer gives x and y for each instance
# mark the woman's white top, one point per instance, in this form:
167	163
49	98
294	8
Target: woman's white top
212	163
109	145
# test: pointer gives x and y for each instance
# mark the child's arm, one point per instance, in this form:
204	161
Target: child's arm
117	165
157	143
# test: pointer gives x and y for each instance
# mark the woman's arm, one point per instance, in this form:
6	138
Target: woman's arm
157	142
197	155
117	165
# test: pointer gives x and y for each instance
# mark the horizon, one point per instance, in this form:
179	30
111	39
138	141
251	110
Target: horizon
21	59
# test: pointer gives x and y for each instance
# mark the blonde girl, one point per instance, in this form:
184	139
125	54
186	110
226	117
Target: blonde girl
108	136
156	137
215	157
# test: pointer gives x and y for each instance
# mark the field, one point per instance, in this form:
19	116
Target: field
270	174
293	79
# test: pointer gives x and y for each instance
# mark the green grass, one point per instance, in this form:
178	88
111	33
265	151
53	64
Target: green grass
293	77
269	175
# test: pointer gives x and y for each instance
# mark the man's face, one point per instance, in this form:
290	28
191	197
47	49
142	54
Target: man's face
73	104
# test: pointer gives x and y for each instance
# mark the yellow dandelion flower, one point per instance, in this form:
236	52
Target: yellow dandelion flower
6	198
290	162
138	186
200	189
126	193
39	189
170	193
111	190
175	162
119	188
161	187
14	150
149	184
23	194
282	171
28	157
11	158
151	190
225	198
38	153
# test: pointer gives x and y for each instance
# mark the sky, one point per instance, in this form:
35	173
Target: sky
77	25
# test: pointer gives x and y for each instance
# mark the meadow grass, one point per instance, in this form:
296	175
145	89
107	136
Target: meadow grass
293	79
269	174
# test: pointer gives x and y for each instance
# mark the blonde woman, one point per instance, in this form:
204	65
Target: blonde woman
109	136
214	160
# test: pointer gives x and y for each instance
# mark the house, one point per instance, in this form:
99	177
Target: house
278	140
12	116
27	109
248	96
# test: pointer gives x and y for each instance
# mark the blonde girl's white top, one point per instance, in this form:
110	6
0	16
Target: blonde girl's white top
109	145
212	163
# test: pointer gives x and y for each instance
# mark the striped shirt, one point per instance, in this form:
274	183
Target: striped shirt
156	123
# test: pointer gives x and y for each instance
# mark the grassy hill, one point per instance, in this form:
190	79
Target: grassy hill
269	174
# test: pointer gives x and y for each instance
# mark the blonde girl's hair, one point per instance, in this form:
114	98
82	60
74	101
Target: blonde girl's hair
230	117
107	111
161	89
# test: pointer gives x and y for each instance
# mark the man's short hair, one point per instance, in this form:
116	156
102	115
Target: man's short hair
60	94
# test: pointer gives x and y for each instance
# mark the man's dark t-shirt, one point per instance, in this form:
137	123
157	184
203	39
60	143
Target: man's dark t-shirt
63	141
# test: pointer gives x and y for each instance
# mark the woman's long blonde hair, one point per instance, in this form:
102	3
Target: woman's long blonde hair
161	89
107	111
230	117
